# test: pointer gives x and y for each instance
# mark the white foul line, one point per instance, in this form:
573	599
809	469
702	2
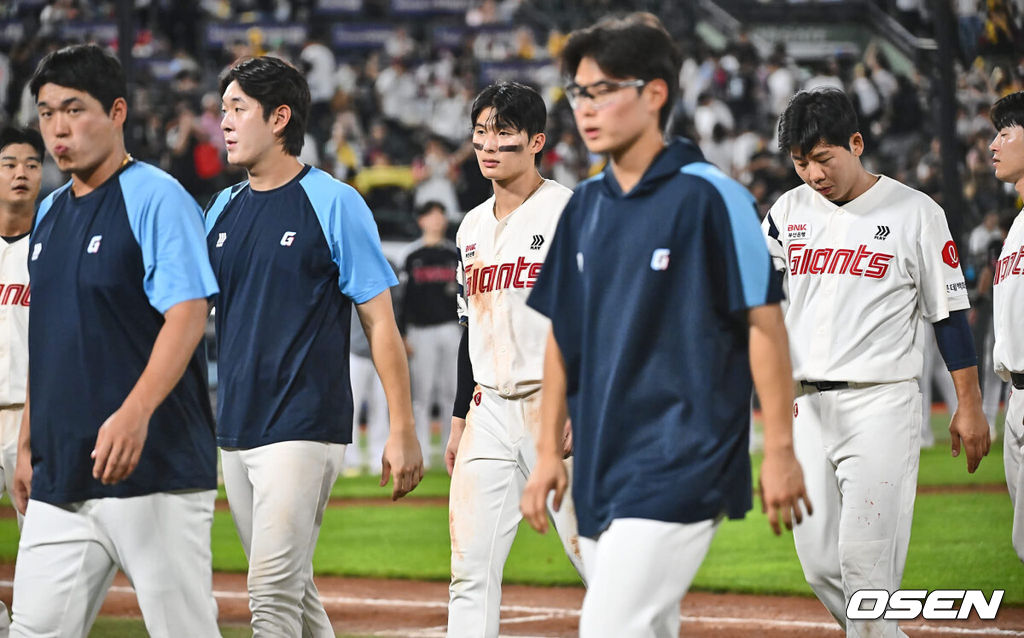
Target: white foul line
548	613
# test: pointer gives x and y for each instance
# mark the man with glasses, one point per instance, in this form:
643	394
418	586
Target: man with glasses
659	288
502	244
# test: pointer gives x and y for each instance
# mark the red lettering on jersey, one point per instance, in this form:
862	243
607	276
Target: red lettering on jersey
534	271
878	266
819	261
847	256
841	261
792	227
504	277
521	267
485	279
1016	262
949	254
11	294
862	254
25	297
794	260
521	274
433	274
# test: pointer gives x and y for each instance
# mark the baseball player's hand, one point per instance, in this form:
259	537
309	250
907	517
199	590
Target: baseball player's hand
567	439
548	474
403	459
22	481
781	488
454	438
119	443
970	427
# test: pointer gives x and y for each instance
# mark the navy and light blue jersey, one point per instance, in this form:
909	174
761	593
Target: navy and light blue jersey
290	261
646	292
104	269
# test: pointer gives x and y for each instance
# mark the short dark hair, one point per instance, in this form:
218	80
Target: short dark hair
1008	111
17	135
637	46
816	116
516	106
83	67
428	206
273	82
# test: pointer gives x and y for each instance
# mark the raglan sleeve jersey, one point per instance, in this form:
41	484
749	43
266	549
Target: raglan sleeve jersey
498	265
859	277
290	262
105	266
1008	300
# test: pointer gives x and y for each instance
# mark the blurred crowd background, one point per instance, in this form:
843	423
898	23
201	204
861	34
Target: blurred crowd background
392	82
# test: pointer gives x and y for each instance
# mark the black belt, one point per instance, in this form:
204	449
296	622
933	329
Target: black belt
825	386
1017	379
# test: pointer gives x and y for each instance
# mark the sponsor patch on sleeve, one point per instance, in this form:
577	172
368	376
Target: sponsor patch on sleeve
950	255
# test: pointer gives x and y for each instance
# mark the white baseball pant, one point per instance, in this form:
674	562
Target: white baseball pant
68	555
366	388
639	570
10	422
495	457
433	372
277	495
1013	464
859	449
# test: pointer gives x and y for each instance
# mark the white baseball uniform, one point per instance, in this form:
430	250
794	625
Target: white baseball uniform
859	278
499	263
1008	357
14	303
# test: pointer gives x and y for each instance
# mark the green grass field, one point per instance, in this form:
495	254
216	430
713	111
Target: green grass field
959	540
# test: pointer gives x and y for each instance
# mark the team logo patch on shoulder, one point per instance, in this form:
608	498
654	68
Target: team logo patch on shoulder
470	251
94	244
798	231
660	258
950	255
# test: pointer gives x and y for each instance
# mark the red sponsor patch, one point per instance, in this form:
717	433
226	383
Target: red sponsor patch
950	254
476	398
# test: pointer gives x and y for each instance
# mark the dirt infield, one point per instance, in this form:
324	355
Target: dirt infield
418	610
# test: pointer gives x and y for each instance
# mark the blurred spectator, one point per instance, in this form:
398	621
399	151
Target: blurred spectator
318	63
709	112
433	173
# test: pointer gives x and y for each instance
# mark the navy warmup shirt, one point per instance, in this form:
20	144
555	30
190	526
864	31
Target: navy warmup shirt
646	292
289	262
104	269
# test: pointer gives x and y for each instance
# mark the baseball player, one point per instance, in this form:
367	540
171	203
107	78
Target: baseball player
1008	296
659	288
864	259
502	244
116	461
293	249
21	169
425	314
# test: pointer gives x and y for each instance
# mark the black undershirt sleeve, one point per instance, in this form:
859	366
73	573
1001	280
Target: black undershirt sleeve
465	386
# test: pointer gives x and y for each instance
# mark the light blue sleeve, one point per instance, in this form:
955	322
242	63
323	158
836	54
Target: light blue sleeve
47	203
363	271
749	249
168	225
